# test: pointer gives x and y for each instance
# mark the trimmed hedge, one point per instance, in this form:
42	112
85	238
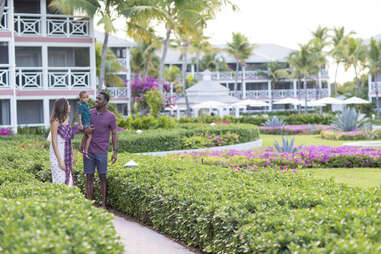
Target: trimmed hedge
167	140
341	135
226	211
293	129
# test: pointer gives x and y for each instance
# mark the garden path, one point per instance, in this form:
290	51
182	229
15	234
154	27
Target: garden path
138	239
240	147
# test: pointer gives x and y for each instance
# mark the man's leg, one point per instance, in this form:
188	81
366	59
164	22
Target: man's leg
103	179
90	186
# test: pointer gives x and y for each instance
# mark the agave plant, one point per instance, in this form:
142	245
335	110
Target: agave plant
287	147
349	120
274	122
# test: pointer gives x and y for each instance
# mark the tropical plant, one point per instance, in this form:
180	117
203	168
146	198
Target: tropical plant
213	62
349	120
154	100
354	55
144	62
337	40
276	72
287	146
240	48
374	65
304	63
274	122
112	66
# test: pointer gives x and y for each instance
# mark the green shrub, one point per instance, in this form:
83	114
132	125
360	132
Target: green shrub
226	211
299	119
147	122
341	135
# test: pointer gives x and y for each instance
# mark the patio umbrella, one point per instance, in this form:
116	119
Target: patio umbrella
355	100
315	104
289	101
330	100
250	103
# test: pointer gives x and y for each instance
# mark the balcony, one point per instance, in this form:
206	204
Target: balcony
373	85
4	77
123	62
313	92
57	78
279	93
118	92
56	25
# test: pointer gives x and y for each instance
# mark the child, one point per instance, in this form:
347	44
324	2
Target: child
84	118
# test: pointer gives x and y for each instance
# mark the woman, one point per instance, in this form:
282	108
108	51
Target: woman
62	157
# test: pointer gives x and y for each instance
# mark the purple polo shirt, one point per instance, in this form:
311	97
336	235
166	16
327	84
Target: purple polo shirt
103	124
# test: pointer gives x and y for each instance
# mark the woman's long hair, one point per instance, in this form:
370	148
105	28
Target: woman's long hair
60	110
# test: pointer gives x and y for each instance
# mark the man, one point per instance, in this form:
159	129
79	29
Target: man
103	122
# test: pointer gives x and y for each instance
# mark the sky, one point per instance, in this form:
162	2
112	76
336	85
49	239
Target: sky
290	22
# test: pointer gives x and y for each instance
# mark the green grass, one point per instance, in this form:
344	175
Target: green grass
268	140
355	177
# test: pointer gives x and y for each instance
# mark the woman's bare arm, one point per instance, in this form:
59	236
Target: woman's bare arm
54	132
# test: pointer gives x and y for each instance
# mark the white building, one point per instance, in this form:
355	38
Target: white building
374	81
43	56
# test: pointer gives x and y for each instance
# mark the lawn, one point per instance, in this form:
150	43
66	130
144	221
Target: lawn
355	177
306	140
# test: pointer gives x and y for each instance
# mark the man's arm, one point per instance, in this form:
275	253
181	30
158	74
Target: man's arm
115	146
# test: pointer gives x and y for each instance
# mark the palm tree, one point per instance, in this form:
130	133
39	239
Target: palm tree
319	43
213	62
374	65
241	49
337	49
144	62
275	72
112	66
304	62
354	54
200	45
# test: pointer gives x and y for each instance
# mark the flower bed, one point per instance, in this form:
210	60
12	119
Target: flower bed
173	139
227	211
343	135
306	129
306	157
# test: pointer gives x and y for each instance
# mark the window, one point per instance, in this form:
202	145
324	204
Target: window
5	112
4	56
27	6
30	112
68	57
28	57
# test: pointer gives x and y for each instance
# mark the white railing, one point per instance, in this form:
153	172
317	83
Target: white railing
283	93
28	24
56	25
4	77
4	20
254	94
118	92
29	77
67	26
122	62
313	92
70	78
373	87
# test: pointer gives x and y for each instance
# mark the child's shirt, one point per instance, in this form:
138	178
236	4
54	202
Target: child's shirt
84	111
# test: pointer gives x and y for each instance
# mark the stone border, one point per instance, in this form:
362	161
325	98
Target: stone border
364	144
241	147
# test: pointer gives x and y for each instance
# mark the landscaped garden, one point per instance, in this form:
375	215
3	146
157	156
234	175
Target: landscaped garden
261	200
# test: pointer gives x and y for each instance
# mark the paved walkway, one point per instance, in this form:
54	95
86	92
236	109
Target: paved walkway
240	147
138	239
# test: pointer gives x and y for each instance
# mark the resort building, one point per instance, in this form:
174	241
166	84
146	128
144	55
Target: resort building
374	82
43	56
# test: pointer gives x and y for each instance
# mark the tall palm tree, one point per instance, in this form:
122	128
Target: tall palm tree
319	43
200	45
337	49
276	73
144	61
112	66
304	62
374	65
354	55
241	49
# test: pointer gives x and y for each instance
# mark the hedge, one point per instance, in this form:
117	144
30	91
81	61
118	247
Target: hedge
341	135
225	211
167	140
310	129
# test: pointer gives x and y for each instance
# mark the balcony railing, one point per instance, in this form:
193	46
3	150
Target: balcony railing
122	62
29	77
118	92
313	92
4	20
283	93
278	93
4	77
71	78
58	78
257	94
56	25
373	87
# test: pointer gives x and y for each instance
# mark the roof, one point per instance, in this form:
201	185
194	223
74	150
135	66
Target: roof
207	86
263	53
113	41
199	99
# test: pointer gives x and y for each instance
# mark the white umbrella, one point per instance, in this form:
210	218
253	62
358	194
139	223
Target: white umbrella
289	101
250	103
330	100
211	104
315	104
355	100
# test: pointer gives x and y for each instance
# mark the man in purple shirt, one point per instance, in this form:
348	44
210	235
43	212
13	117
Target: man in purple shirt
103	123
